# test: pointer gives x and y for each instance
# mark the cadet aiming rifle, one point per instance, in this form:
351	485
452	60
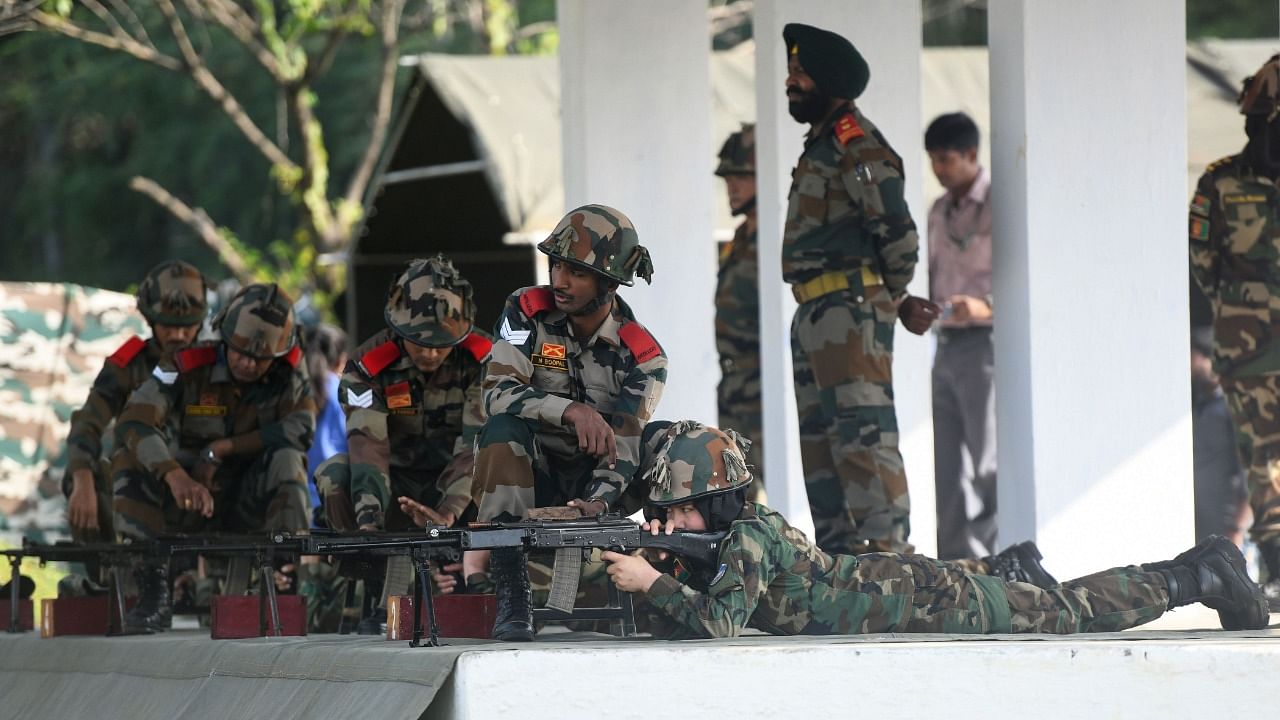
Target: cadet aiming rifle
571	540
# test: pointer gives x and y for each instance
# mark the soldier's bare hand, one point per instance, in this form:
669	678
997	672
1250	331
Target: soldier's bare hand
966	309
918	314
595	437
631	573
190	495
446	578
589	508
655	527
423	515
82	506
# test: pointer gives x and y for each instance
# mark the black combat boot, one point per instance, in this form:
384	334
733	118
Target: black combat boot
1213	573
510	572
1020	563
152	613
1270	552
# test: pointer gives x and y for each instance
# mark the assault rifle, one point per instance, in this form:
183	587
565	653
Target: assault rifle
571	540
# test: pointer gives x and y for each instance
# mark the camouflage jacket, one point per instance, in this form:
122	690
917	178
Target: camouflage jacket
738	305
538	368
846	208
121	374
772	578
193	400
402	423
1235	259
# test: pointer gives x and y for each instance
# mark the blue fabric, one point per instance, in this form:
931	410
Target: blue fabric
331	437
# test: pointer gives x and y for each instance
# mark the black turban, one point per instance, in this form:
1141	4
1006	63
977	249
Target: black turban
835	65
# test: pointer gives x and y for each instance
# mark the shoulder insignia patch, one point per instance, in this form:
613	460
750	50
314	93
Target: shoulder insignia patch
294	356
197	357
127	352
380	358
724	567
360	400
512	335
536	300
1200	205
1199	228
848	129
639	342
478	345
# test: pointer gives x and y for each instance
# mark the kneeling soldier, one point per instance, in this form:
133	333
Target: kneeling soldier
773	578
217	440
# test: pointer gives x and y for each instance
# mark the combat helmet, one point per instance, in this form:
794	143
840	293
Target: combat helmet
738	154
258	322
600	239
1261	93
430	304
173	293
696	461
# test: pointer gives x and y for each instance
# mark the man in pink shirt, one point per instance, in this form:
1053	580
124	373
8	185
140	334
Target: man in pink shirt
964	401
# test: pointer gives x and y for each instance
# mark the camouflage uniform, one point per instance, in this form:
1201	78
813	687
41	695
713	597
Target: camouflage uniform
738	315
408	432
1234	231
773	578
194	401
849	249
171	294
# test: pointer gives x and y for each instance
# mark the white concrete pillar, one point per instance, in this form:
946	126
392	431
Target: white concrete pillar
635	87
887	33
1088	107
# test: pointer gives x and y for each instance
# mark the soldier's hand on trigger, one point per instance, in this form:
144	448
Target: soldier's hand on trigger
631	573
595	437
918	314
446	578
423	515
190	495
82	506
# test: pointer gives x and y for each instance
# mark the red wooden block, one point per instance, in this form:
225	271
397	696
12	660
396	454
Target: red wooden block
79	615
26	615
459	616
237	616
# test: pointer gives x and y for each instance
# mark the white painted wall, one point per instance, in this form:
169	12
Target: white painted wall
636	125
1088	153
887	33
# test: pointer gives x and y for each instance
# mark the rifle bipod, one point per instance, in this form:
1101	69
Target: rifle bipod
422	594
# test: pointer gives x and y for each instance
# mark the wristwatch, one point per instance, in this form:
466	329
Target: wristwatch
207	456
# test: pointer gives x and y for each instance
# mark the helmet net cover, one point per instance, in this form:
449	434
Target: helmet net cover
738	154
694	461
173	293
259	322
431	304
603	240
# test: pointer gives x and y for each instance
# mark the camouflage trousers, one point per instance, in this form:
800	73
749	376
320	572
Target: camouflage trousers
346	500
519	467
738	396
1254	403
914	593
265	493
106	515
842	356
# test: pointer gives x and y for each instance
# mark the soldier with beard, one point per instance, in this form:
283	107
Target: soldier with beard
1235	259
849	249
172	299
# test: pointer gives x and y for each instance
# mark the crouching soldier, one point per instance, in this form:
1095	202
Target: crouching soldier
570	385
172	299
217	440
773	578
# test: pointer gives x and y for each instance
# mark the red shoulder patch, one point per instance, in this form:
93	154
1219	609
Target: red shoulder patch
197	357
127	352
537	300
379	358
294	356
478	345
639	342
848	129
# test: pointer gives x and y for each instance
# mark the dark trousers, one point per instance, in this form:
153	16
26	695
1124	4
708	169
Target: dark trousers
964	443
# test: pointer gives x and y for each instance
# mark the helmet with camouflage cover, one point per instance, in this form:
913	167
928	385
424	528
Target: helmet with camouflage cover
1261	93
600	239
258	322
173	293
738	154
694	461
430	304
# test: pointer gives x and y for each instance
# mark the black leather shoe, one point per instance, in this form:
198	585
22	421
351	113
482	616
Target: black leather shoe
1213	573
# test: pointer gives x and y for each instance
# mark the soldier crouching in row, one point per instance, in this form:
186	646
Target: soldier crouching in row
217	440
773	578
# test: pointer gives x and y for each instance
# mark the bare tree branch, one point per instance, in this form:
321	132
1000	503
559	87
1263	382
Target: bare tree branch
199	221
215	90
139	30
142	52
107	18
381	119
315	191
241	28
